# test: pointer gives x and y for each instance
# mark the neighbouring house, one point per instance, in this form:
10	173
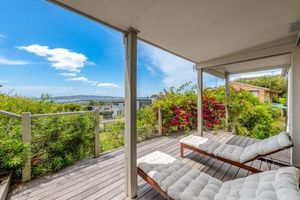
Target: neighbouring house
118	107
262	93
106	111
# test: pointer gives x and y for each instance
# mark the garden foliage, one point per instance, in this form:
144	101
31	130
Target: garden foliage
249	117
56	141
61	141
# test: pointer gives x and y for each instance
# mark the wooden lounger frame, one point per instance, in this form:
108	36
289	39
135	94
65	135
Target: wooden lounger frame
153	184
232	162
157	188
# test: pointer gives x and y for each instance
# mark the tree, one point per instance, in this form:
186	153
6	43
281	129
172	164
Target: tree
45	97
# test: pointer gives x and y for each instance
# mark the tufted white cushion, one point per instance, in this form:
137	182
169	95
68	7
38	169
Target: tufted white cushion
181	182
266	146
202	143
162	168
231	152
195	185
237	153
281	184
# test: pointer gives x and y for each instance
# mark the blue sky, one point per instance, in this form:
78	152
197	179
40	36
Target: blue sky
46	49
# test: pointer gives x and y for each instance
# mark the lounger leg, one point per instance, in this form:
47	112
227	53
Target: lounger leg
181	150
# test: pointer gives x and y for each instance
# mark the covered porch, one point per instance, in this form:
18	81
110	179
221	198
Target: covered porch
103	177
219	37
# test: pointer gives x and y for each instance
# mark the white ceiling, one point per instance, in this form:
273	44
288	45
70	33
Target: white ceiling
197	30
274	62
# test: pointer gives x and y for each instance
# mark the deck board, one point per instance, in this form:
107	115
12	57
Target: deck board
103	177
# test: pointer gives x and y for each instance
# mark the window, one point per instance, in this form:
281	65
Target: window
255	92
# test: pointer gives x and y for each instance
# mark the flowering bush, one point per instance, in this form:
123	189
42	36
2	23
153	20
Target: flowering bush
183	119
179	110
213	113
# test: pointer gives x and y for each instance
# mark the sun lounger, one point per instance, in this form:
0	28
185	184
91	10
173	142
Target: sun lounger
175	180
236	155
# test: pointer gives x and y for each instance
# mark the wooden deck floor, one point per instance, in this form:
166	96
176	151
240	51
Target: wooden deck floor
103	177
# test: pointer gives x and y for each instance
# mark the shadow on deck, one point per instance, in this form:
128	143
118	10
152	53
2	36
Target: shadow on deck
103	177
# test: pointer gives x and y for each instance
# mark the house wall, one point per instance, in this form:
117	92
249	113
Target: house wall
261	92
274	94
267	96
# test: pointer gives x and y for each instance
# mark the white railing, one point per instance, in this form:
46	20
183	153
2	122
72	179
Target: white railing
27	137
9	114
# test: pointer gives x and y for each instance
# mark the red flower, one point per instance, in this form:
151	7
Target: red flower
174	121
187	115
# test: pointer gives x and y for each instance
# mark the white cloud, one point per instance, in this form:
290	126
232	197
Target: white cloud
174	70
93	83
68	74
110	85
150	69
5	61
81	78
74	77
60	58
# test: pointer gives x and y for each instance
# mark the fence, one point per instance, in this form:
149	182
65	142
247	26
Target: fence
26	118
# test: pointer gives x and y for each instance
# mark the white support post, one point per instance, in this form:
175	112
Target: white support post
200	101
97	132
289	107
130	113
227	93
26	137
159	122
294	106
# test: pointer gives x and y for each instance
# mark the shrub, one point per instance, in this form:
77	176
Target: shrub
56	141
275	112
146	123
13	152
112	137
257	120
60	141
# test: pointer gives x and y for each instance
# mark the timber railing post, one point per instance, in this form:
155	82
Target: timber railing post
159	122
26	136
97	132
200	102
227	98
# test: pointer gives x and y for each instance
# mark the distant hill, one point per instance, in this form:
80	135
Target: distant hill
85	98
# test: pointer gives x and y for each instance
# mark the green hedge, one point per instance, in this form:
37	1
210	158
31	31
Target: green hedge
56	141
61	140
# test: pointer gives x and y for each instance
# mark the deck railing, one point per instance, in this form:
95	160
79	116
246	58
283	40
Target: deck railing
26	119
27	137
